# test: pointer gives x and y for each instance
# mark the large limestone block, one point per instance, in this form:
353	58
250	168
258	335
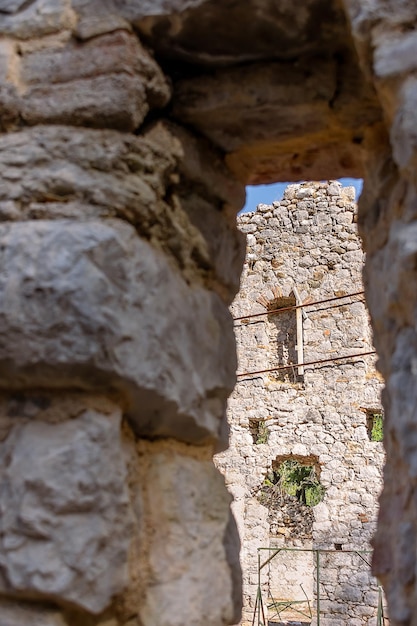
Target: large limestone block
36	19
236	106
90	305
66	522
51	172
107	81
193	562
60	171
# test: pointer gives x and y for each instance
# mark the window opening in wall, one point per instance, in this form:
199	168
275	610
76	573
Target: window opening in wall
375	424
298	480
259	431
290	490
292	478
283	332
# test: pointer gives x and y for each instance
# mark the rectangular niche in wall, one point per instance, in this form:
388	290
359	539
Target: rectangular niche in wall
282	334
259	431
375	424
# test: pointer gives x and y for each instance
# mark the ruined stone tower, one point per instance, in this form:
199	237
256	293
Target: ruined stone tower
320	417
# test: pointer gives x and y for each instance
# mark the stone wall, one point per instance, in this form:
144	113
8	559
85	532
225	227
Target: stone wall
307	241
128	130
109	498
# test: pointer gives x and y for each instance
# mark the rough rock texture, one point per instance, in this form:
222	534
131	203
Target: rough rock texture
98	321
118	230
109	81
306	107
383	33
308	240
187	497
61	172
104	116
278	99
65	513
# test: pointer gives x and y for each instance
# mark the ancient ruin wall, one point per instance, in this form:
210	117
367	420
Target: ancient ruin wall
307	243
128	132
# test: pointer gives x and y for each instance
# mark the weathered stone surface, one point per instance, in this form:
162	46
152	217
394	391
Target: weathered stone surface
209	194
257	29
65	516
305	106
193	38
383	32
62	172
57	167
390	279
11	6
38	18
109	81
396	54
188	563
106	293
114	102
403	131
294	109
115	53
96	22
29	614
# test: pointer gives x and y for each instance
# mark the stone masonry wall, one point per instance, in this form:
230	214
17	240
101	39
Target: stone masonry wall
128	130
108	415
309	241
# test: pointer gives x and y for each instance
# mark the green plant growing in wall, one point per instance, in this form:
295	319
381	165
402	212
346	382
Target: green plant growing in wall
377	432
293	479
375	424
263	433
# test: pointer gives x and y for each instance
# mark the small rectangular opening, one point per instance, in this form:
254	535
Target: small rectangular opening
259	431
375	424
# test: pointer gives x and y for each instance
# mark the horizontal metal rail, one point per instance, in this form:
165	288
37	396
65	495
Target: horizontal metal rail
297	306
293	365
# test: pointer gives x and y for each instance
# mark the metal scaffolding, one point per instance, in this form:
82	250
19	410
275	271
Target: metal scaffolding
265	611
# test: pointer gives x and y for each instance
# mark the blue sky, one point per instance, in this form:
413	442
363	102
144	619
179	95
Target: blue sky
268	193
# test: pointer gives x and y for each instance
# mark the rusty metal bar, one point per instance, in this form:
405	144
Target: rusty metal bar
293	365
297	306
322	308
323	550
